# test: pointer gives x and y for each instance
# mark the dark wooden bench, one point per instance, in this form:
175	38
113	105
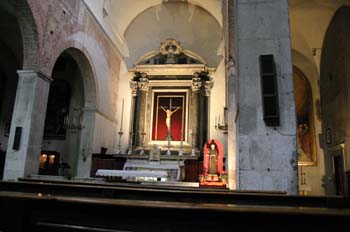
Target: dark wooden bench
42	205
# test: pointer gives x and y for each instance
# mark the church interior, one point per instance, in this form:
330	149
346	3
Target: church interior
181	108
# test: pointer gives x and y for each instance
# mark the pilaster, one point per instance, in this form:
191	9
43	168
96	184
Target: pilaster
28	120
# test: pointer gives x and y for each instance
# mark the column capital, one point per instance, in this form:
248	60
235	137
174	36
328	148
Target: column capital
143	84
32	73
133	87
196	82
208	85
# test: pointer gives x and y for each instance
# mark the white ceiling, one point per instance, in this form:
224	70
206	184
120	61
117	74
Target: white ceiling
115	16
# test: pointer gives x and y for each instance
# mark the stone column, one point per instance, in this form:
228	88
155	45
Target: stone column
133	87
29	115
194	107
143	86
208	85
267	155
232	114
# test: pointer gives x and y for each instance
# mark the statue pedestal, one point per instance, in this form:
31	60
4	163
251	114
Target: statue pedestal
211	180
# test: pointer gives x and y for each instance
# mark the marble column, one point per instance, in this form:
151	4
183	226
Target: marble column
29	115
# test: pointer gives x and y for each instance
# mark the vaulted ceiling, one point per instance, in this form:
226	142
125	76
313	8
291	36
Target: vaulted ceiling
309	21
137	27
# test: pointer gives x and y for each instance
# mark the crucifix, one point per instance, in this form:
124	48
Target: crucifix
169	112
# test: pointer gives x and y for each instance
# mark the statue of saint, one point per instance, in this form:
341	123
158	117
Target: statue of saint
168	116
213	160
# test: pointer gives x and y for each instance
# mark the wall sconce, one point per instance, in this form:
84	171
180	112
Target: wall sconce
75	121
314	51
223	127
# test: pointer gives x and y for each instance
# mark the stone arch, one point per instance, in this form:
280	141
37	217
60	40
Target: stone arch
309	68
85	65
312	173
29	35
307	152
77	123
12	43
88	76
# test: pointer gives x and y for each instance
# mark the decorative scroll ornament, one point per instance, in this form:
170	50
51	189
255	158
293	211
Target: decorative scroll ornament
143	83
133	87
170	48
196	82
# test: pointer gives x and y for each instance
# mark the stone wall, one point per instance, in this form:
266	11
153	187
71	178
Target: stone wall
267	155
334	87
48	29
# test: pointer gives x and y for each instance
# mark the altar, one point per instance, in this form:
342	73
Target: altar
136	175
168	118
171	168
177	168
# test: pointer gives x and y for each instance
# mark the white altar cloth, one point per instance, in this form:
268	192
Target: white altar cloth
153	166
129	173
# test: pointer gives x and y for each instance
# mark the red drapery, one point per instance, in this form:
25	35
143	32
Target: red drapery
159	128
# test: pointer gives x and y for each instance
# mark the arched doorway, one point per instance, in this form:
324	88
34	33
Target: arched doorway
71	93
11	60
334	87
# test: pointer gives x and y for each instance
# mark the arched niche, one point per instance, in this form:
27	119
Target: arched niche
68	125
306	140
335	102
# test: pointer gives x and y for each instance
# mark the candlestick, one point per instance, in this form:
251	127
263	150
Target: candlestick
121	121
119	151
142	152
130	144
193	153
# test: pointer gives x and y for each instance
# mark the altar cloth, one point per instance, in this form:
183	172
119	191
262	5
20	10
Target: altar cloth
133	165
131	173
